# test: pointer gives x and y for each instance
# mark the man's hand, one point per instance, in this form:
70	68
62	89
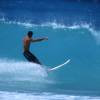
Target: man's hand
45	38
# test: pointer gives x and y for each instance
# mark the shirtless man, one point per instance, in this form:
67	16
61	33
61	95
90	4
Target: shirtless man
26	42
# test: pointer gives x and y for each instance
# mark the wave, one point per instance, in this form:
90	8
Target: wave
42	96
20	70
54	25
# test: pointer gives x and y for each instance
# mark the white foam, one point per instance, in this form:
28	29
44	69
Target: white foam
95	34
54	25
10	69
42	96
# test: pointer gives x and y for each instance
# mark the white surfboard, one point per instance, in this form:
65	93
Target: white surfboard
61	65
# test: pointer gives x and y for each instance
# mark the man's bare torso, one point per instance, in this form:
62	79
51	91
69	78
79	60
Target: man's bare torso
26	42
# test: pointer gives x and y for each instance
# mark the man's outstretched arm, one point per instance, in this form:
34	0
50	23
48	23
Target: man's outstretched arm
39	39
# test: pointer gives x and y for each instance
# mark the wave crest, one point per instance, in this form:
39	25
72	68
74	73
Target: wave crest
54	25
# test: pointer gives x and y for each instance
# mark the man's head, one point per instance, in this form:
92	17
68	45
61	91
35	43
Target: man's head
29	34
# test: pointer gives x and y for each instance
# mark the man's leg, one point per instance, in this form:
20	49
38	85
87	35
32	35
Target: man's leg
30	57
34	59
26	55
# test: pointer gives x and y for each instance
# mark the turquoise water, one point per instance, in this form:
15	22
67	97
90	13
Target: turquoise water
78	80
73	31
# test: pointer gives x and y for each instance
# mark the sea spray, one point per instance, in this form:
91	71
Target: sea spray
11	69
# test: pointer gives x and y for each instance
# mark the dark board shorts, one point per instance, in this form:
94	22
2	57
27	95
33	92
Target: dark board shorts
30	57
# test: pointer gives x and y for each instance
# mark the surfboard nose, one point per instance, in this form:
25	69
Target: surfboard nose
61	65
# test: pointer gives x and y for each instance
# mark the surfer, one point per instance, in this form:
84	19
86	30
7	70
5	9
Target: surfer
26	45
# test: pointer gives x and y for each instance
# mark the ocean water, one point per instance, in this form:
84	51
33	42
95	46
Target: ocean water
73	31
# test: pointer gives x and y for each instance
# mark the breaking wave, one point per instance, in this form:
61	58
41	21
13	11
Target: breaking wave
20	70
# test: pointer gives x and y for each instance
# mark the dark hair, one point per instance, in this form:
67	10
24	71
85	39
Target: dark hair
30	33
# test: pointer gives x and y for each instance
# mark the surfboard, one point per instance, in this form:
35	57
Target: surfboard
61	65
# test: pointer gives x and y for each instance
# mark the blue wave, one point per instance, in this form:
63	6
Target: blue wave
73	31
80	43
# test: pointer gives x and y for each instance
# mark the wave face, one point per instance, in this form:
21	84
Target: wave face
73	35
80	43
